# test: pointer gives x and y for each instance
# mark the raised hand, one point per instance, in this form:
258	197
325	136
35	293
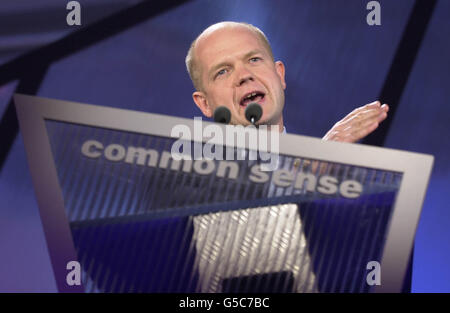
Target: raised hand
358	123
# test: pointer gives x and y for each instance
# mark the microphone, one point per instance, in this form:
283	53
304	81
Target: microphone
222	115
253	112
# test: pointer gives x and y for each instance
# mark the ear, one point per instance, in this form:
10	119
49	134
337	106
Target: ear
200	100
279	67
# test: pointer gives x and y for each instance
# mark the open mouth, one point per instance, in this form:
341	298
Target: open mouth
254	96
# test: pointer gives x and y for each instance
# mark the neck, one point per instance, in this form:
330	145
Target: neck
280	124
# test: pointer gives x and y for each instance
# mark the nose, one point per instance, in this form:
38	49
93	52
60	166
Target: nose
243	76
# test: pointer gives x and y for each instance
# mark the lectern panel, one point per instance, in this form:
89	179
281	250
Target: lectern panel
141	207
142	221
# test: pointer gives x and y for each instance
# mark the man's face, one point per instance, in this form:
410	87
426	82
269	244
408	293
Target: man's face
237	69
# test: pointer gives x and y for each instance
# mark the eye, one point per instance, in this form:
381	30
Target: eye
221	72
255	59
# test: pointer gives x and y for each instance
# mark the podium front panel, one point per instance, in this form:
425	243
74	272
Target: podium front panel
141	221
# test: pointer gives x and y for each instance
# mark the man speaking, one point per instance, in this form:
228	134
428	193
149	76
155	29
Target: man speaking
231	64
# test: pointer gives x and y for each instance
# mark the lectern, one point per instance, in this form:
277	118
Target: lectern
137	217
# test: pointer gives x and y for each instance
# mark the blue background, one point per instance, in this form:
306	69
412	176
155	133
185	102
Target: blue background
334	63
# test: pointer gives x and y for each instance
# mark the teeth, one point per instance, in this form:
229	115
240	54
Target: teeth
251	95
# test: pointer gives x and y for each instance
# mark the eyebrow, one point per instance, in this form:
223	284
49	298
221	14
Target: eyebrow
216	67
253	52
226	63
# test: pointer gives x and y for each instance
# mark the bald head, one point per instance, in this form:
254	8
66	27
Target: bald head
192	64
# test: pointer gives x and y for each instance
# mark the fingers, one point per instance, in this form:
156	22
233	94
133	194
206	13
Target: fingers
360	117
353	136
360	129
362	120
359	123
382	117
374	106
362	132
